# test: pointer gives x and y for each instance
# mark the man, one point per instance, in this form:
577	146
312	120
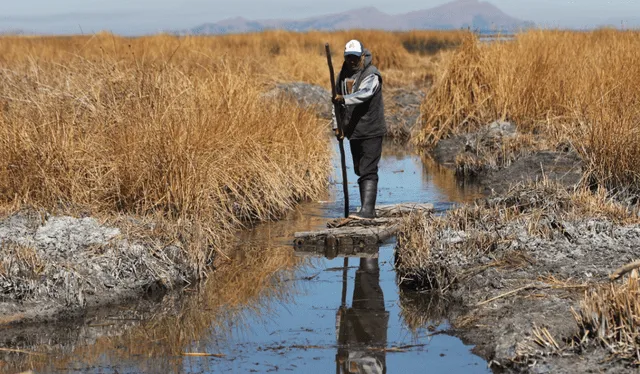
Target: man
359	93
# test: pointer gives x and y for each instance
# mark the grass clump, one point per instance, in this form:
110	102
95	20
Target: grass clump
20	268
609	316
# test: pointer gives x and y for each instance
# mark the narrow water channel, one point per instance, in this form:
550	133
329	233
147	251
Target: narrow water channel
275	311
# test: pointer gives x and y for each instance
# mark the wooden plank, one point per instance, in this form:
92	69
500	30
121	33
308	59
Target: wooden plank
354	222
356	237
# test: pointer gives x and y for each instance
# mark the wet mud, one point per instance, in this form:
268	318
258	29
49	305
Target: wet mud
402	113
305	95
498	156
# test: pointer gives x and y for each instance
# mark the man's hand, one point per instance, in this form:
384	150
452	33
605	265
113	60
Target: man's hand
339	134
339	99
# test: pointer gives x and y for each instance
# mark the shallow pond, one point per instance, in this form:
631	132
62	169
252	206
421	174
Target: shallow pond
270	310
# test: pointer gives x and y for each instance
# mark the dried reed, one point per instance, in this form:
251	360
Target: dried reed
610	316
113	127
437	252
575	86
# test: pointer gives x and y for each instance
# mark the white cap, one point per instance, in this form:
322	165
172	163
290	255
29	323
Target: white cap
353	47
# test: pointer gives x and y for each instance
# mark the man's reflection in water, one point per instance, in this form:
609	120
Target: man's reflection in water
362	329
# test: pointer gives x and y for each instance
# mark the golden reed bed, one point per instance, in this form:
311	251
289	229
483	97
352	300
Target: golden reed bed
172	127
579	87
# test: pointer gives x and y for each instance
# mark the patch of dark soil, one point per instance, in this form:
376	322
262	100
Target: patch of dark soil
559	167
498	156
500	331
447	150
487	139
591	361
402	112
429	46
520	262
57	267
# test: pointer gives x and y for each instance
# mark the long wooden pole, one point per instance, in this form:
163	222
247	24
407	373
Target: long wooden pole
336	107
345	184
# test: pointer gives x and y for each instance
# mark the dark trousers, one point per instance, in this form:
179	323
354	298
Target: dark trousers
366	155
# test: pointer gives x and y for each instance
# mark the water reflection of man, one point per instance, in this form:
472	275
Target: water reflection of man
362	329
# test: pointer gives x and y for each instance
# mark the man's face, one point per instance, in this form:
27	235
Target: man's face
352	61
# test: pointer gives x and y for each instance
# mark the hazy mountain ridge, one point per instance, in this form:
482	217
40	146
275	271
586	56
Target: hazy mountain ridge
475	14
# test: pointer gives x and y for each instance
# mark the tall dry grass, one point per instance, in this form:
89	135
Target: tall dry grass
572	86
406	58
118	126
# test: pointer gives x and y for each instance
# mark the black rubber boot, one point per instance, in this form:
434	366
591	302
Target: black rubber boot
368	192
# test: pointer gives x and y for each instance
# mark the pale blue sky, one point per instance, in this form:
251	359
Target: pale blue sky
148	16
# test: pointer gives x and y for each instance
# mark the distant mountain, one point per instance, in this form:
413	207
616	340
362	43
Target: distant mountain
477	15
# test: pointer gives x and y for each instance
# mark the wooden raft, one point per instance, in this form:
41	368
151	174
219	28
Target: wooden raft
350	237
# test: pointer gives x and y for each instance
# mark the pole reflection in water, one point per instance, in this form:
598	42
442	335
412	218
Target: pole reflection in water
362	329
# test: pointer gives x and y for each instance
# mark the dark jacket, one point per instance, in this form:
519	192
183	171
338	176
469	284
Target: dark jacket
365	120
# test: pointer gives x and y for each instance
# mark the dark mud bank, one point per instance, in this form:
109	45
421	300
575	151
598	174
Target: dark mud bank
533	274
498	156
59	267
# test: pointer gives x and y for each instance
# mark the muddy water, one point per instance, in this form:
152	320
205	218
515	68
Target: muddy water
270	310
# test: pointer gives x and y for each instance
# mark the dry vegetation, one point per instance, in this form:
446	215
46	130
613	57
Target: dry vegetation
174	127
155	127
576	87
563	90
503	238
610	317
439	252
176	132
